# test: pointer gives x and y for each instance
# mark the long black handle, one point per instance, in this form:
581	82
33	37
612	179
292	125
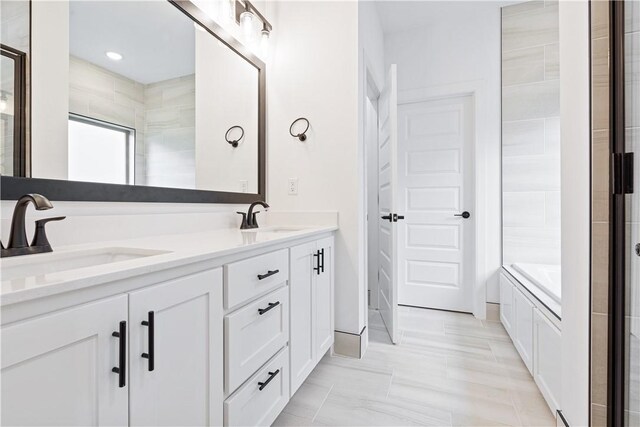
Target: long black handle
322	255
317	267
271	305
268	274
389	217
151	355
121	369
272	375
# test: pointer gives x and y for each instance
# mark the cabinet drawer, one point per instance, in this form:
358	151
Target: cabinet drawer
255	276
252	338
250	406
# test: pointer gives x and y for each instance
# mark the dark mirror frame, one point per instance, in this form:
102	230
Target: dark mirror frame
11	188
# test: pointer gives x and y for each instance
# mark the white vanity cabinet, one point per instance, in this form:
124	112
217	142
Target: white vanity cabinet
311	286
57	368
535	336
177	326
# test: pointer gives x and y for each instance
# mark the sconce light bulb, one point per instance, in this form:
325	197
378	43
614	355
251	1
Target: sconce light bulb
264	43
3	105
246	22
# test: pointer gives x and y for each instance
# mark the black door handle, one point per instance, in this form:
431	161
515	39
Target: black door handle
464	215
389	217
272	375
322	256
397	217
271	305
121	369
151	355
268	274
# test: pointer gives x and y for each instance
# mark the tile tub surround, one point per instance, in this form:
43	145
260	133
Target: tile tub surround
449	369
162	113
530	133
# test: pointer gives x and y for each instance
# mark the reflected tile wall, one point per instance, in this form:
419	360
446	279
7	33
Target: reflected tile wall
162	113
531	133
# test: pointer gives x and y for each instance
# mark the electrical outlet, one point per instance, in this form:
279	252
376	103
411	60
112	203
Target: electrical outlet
244	185
293	186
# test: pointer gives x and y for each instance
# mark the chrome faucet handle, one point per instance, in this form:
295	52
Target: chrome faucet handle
40	235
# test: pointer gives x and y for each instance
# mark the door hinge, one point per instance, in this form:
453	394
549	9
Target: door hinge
622	173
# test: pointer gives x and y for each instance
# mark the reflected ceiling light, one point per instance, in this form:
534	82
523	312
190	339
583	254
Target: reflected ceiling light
3	104
246	14
114	56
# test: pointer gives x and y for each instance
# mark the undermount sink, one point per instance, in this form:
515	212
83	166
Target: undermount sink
55	262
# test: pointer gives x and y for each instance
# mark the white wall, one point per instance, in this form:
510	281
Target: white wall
313	72
461	48
575	189
371	72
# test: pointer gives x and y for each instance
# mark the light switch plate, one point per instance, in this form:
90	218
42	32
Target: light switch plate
293	186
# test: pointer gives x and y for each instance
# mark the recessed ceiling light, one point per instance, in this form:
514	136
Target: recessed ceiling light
114	56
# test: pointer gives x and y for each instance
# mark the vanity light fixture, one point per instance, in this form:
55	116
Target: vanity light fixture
234	142
302	135
114	56
246	12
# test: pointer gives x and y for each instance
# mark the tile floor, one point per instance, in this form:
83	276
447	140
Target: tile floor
450	369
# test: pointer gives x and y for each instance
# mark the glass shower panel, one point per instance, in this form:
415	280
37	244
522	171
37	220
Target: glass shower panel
632	144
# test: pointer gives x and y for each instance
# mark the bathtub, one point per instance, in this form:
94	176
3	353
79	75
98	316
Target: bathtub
547	278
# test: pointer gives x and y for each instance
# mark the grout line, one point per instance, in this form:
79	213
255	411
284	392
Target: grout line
322	404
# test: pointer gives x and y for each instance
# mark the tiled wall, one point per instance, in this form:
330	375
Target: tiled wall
531	133
162	114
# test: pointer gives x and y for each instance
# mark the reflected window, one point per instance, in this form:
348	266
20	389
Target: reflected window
100	151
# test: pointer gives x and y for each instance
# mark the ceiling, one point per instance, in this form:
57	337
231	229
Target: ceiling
400	15
156	40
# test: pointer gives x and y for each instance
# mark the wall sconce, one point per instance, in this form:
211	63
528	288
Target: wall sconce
234	142
302	135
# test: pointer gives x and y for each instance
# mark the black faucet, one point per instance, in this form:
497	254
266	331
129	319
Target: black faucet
249	220
18	244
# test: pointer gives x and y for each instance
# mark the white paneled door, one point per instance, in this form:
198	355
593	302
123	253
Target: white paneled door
436	194
387	170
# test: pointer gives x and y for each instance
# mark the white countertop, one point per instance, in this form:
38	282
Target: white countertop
181	249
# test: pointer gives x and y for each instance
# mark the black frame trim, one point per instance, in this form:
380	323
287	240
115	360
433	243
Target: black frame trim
19	110
12	187
617	273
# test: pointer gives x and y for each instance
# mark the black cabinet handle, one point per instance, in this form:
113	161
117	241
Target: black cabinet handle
464	215
262	311
388	217
121	369
322	256
151	355
317	267
272	375
268	274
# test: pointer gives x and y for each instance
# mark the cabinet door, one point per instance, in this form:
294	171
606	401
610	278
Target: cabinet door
57	368
523	310
506	304
302	313
323	298
182	342
547	345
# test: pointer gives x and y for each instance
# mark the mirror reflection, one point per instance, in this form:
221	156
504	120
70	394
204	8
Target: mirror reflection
148	106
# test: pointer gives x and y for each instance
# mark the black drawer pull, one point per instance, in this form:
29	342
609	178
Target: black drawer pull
317	257
272	375
269	274
322	256
262	311
151	355
121	369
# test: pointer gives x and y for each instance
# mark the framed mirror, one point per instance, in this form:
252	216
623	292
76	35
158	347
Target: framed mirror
143	113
